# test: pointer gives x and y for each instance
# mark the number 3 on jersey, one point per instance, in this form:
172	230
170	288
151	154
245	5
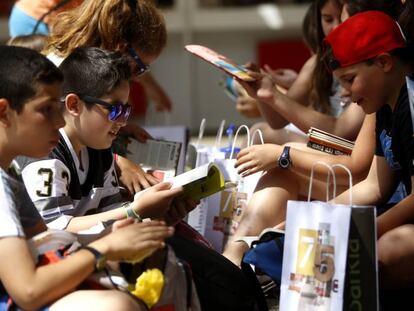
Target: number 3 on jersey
47	175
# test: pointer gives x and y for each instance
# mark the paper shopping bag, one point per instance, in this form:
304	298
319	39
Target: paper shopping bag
329	260
199	154
225	208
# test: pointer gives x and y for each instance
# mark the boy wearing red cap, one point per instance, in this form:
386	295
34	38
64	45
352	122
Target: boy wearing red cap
372	65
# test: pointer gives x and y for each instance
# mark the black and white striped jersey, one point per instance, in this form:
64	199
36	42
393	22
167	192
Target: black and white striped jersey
63	186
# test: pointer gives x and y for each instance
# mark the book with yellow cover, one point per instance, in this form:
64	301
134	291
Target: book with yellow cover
198	183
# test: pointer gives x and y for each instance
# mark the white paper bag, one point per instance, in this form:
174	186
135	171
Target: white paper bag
315	254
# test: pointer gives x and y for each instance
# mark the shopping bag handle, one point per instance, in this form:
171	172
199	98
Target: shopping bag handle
257	132
235	138
201	132
350	180
330	172
217	143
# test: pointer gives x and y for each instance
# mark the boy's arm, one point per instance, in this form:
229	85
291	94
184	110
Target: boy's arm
262	157
299	91
373	190
358	162
400	214
32	287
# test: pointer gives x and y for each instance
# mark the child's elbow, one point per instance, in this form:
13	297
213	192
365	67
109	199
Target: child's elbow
30	299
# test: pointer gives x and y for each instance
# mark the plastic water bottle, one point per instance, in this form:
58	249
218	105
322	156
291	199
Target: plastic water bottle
230	136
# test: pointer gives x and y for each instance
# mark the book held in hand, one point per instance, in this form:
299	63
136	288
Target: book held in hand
198	183
329	143
224	63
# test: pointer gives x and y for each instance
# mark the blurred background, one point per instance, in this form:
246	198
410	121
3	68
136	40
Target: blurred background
263	31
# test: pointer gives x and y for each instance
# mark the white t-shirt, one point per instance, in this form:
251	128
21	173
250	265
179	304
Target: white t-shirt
17	210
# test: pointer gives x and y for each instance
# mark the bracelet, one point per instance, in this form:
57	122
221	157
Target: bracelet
130	212
115	157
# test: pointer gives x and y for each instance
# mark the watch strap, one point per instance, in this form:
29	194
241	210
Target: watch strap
100	259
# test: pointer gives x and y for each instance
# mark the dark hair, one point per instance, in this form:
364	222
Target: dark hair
321	88
406	21
22	70
390	7
35	42
94	71
310	28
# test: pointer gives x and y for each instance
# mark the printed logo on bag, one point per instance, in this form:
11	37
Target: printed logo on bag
315	268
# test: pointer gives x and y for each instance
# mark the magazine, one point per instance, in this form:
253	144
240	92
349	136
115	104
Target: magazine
329	143
224	63
156	156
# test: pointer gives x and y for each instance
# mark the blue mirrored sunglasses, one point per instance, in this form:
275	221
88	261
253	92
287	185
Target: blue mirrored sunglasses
141	66
116	110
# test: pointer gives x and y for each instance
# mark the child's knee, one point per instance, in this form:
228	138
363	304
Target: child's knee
395	245
121	302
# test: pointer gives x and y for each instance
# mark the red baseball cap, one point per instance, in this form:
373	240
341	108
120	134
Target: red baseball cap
363	36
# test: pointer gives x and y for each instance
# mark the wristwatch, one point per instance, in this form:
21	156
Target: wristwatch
284	160
100	259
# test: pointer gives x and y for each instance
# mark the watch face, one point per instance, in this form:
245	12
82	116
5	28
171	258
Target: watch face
284	163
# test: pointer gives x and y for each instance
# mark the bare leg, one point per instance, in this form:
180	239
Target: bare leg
396	257
102	300
267	207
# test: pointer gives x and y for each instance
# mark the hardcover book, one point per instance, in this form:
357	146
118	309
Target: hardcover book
329	143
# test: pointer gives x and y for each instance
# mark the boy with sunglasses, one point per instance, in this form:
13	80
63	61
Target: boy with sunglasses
78	177
30	117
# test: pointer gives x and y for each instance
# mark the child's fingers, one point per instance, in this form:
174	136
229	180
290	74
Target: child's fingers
122	223
162	186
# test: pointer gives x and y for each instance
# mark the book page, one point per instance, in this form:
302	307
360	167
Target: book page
197	183
155	154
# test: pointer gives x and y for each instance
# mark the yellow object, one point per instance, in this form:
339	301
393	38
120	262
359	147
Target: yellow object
200	182
149	287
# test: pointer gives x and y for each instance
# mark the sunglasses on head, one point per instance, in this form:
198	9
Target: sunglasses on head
116	110
141	66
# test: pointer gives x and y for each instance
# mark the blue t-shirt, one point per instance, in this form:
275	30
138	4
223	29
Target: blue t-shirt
395	141
21	24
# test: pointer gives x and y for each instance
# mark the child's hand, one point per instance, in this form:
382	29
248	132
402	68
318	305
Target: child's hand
253	86
257	158
247	106
266	92
156	201
121	223
180	207
281	77
135	241
133	177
